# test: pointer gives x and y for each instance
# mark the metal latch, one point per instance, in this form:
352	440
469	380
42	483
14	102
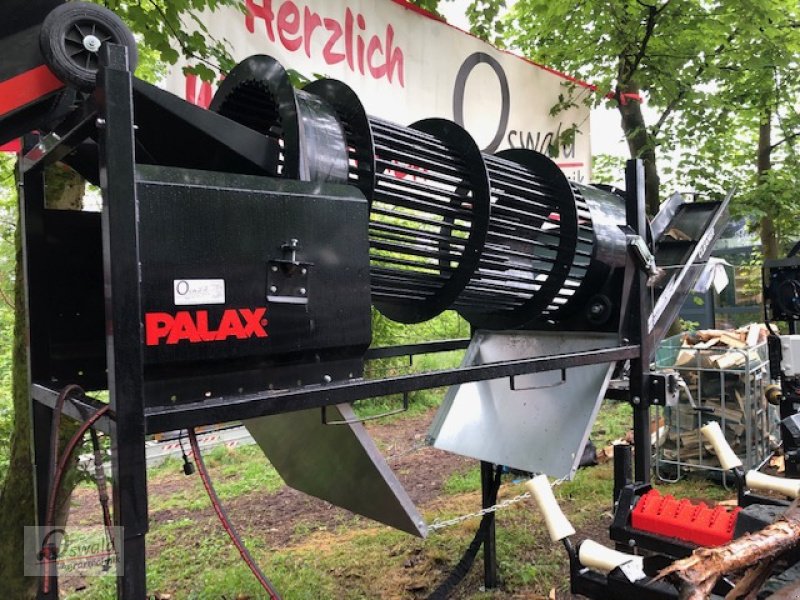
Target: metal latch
288	278
646	259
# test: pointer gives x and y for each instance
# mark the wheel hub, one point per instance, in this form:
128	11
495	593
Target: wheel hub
92	43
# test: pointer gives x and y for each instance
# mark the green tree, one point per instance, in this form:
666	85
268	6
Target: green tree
687	58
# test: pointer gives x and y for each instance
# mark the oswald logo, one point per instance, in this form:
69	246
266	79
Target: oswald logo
238	323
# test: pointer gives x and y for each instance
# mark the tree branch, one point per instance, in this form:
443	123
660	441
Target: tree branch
180	38
788	138
6	299
673	105
652	13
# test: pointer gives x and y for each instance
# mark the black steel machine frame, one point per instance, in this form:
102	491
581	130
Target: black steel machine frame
129	420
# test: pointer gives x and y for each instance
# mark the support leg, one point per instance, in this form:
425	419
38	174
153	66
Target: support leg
490	541
41	425
123	310
639	332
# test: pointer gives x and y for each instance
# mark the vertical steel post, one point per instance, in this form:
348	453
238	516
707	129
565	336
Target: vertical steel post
638	325
32	205
123	315
622	468
489	540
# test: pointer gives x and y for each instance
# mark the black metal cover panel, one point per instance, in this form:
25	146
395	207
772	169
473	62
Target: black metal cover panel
16	15
69	276
242	274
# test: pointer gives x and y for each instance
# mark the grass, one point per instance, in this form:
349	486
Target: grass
462	483
418	402
613	421
235	472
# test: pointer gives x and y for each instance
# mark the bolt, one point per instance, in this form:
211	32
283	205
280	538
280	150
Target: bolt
636	400
596	309
100	122
274	269
273	288
302	291
92	43
632	543
327	379
303	271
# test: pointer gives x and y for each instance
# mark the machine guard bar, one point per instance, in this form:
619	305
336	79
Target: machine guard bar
217	410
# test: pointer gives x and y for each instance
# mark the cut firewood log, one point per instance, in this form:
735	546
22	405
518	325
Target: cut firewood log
707	334
732	342
699	572
753	335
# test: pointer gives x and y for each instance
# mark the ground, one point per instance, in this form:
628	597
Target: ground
311	549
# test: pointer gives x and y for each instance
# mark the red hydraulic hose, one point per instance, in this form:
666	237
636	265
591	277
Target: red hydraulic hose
55	424
48	554
226	524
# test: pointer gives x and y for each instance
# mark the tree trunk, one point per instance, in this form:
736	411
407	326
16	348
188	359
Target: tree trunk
769	235
65	190
640	143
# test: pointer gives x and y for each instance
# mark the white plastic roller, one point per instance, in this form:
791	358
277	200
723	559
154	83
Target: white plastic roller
599	558
714	436
557	523
757	480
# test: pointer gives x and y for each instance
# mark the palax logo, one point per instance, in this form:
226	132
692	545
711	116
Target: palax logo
193	327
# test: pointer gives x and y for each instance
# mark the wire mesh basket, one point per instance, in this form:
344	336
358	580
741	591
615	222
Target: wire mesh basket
717	383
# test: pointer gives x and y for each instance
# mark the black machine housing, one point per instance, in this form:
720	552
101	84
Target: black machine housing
285	302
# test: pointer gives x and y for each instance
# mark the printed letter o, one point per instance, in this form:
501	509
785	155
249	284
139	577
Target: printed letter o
464	71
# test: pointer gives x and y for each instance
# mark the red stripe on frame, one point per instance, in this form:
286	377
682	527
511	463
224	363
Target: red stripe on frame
14	147
26	87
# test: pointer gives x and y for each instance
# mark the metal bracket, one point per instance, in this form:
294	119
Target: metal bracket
396	411
642	253
287	281
663	388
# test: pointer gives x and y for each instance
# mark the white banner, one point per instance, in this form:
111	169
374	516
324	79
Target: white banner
406	65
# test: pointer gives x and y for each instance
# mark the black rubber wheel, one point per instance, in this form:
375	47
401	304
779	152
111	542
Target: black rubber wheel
73	34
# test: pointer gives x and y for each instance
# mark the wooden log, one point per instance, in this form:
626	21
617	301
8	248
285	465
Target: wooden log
747	587
699	572
732	342
707	334
787	592
753	335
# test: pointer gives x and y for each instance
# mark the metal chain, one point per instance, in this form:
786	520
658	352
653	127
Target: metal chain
416	447
437	524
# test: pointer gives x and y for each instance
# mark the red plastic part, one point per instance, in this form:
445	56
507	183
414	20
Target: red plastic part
696	523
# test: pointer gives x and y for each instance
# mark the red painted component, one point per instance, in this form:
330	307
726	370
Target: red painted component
26	88
696	523
14	146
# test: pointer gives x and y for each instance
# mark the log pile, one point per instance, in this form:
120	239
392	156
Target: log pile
724	371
